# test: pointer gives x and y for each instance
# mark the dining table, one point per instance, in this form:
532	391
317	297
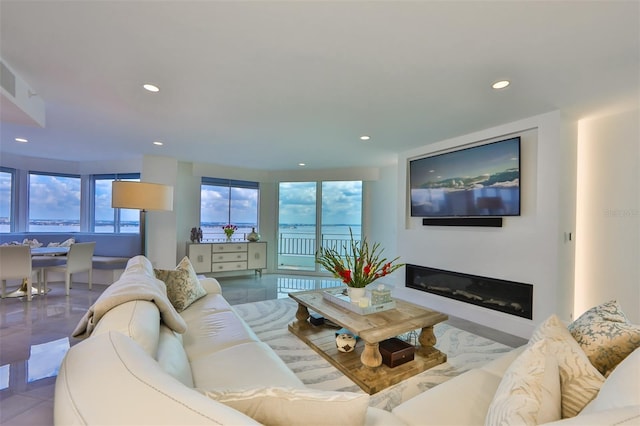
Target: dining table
37	252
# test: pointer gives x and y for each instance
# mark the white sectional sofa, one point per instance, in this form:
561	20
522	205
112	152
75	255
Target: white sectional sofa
143	363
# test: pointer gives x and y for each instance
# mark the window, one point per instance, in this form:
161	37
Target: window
7	192
54	203
312	214
106	218
225	201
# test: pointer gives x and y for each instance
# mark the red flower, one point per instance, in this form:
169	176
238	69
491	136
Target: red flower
367	269
346	275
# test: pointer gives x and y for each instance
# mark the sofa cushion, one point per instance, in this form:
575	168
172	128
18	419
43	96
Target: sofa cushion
580	381
137	319
172	357
205	306
109	380
625	416
463	400
529	393
290	406
605	335
183	285
242	366
214	332
622	387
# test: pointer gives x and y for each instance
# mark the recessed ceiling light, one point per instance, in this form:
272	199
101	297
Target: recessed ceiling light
302	164
21	140
501	84
365	138
151	87
158	143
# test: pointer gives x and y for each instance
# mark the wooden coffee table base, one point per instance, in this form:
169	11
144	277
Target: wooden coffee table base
370	379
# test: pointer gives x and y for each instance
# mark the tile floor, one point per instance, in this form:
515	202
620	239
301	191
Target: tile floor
35	336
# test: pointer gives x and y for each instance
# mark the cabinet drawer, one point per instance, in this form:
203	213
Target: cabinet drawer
228	247
229	266
229	257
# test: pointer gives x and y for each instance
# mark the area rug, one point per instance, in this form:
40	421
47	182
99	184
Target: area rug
269	320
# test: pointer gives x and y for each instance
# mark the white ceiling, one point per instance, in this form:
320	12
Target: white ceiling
270	84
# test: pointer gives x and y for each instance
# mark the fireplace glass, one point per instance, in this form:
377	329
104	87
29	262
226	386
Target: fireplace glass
500	295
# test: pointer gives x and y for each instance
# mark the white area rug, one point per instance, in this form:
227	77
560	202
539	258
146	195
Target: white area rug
269	320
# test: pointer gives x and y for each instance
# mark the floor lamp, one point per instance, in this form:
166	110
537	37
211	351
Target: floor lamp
142	196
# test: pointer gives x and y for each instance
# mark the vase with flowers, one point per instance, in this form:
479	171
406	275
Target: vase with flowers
359	266
229	230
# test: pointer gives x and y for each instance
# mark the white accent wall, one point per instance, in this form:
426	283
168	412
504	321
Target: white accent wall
608	219
532	248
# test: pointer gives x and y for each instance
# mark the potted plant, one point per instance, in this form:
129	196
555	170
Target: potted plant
359	266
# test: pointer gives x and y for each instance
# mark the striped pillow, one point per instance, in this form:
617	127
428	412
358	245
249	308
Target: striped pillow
529	393
580	381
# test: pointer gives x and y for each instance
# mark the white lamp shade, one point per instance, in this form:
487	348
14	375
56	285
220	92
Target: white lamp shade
141	195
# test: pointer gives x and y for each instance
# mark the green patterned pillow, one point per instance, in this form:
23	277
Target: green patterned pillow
605	335
183	285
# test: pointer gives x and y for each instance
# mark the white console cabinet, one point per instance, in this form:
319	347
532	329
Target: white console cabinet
225	257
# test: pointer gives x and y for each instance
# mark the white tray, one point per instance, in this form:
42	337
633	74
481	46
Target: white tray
336	296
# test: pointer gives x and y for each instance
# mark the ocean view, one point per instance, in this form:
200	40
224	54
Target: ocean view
213	230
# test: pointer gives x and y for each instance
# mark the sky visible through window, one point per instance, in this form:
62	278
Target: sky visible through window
5	201
54	203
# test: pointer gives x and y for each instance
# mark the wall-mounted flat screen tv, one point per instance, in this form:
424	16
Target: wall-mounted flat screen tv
482	180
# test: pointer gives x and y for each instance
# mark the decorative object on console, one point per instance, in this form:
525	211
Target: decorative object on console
253	236
361	265
229	230
196	235
141	196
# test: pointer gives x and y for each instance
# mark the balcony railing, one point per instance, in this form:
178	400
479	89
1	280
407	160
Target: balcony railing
296	251
292	244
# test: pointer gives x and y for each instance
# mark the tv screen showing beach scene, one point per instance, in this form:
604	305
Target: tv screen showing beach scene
480	181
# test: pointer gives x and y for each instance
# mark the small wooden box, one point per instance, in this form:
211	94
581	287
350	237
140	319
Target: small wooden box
396	352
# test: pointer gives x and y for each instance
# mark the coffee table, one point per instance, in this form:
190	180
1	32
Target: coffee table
364	365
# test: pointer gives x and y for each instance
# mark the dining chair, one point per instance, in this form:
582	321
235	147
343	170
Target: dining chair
79	259
39	265
15	263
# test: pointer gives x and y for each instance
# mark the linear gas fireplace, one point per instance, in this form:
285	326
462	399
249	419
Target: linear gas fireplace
505	296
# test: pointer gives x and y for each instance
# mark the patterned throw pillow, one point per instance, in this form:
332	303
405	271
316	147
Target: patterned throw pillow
183	285
529	393
579	380
605	335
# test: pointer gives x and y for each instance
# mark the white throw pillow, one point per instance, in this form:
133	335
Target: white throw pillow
529	393
580	381
289	406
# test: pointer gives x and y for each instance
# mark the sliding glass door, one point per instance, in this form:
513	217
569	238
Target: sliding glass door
312	214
